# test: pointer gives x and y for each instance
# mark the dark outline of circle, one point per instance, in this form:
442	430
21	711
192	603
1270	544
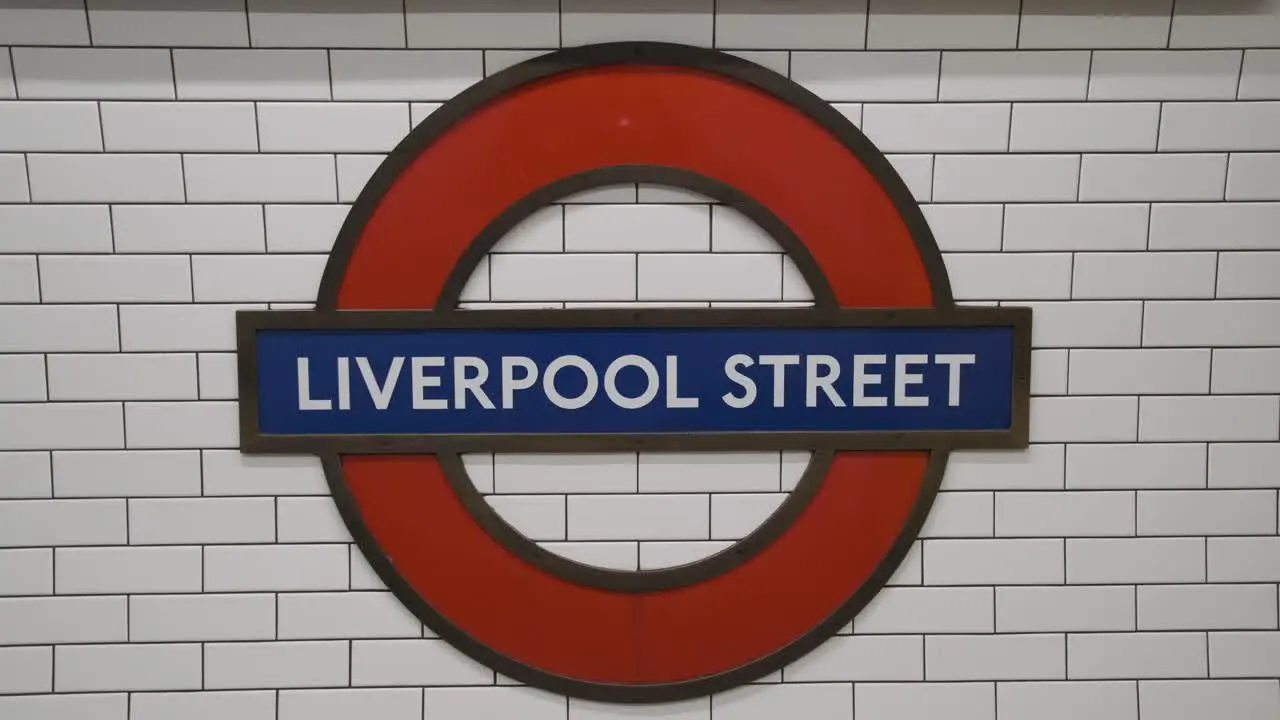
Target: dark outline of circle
778	522
584	57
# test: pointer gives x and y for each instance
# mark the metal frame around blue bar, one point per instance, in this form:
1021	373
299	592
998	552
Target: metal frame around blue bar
253	440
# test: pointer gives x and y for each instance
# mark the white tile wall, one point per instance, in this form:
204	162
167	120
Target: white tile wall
1115	165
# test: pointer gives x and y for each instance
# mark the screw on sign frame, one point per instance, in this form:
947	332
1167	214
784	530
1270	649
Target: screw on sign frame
624	113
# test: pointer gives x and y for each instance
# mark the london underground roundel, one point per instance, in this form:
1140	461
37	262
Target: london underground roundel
389	382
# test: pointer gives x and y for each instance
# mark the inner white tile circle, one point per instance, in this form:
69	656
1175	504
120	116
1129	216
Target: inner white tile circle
636	246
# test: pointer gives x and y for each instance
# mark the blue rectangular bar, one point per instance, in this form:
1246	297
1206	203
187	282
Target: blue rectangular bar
722	379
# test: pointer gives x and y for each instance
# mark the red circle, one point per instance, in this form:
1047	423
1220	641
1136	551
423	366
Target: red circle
619	115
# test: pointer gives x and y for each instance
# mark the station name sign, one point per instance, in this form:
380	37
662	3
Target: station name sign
389	381
881	379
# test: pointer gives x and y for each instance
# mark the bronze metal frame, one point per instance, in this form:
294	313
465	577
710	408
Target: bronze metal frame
252	441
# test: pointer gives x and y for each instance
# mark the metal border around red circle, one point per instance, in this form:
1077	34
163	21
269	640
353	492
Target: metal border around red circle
411	236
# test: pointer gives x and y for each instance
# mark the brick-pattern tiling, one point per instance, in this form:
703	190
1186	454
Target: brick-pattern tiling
1115	165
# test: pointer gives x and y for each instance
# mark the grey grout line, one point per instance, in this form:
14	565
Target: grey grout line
1088	80
328	200
715	15
257	142
44	360
13	71
1208	656
1008	138
1226	177
404	20
937	86
248	25
1217	283
173	74
901	50
1240	75
88	21
1017	35
1109	490
328	65
933	176
1135	607
913	101
866	26
995	692
758	684
1137	698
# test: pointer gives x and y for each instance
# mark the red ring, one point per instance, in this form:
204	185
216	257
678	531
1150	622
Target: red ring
560	126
